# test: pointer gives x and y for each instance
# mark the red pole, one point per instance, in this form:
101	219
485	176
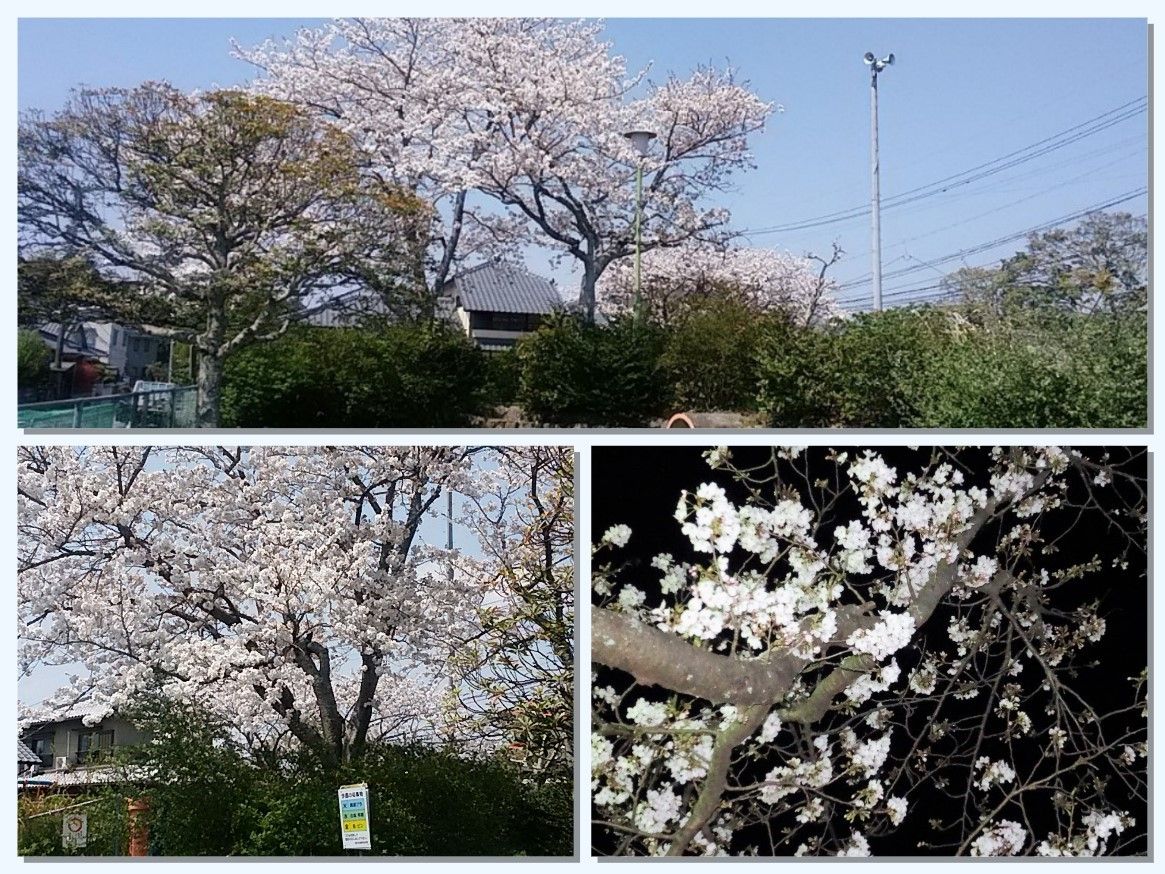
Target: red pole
139	829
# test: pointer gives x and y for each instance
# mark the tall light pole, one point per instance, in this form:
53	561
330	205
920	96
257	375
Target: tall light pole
876	65
641	140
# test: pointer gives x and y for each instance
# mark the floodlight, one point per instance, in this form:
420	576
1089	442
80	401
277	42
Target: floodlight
640	139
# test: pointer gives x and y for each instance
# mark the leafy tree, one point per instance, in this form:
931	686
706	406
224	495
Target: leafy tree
218	211
516	678
32	359
842	651
1099	265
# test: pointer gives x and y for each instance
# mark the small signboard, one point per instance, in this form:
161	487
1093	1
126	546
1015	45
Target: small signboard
354	824
74	830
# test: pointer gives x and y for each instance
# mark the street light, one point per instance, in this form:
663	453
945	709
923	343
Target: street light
641	141
876	65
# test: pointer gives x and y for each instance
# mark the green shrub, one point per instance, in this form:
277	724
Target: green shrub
399	376
39	830
207	796
863	372
503	377
1040	371
611	375
710	355
935	368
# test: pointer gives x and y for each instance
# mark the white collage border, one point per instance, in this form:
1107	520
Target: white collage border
582	440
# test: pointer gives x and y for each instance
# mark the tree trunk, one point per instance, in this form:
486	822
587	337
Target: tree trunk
210	368
586	297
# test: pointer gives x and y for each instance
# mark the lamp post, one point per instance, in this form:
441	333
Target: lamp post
641	141
876	65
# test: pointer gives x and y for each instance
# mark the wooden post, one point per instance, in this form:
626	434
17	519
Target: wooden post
139	828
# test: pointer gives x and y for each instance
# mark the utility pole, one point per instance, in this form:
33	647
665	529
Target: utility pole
876	66
449	529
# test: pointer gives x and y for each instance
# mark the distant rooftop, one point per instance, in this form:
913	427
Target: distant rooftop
504	288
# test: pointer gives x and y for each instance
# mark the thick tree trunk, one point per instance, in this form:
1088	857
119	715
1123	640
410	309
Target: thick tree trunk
211	348
586	297
210	369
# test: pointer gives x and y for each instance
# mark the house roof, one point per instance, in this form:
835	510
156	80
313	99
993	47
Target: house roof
504	288
83	340
38	717
24	754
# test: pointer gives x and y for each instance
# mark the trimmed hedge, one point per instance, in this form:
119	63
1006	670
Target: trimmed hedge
399	376
920	368
613	376
926	369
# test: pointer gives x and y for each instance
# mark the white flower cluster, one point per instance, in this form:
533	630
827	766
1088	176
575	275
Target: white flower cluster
865	686
714	524
856	846
616	535
771	728
867	756
797	775
1099	826
1004	838
994	773
896	808
981	572
923	678
647	713
659	807
892	632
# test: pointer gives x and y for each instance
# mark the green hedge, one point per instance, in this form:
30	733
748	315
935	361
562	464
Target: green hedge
710	355
573	373
902	368
931	368
399	376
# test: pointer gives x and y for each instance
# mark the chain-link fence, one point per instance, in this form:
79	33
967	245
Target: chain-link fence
156	408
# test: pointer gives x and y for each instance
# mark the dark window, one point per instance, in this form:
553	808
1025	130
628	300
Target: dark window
491	321
92	745
43	747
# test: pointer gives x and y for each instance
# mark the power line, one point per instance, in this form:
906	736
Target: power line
1090	175
1017	235
1038	149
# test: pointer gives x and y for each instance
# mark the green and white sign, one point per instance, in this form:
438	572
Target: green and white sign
354	822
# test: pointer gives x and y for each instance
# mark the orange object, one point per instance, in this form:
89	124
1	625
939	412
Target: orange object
139	829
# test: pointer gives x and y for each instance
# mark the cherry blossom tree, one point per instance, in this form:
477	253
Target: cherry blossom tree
860	650
530	113
516	672
287	591
217	212
394	85
767	280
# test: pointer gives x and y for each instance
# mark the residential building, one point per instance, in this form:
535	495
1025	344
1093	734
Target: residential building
126	353
494	303
72	748
27	762
497	304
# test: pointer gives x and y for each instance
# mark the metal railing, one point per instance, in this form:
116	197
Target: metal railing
157	408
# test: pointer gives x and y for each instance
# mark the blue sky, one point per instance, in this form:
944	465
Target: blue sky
961	93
